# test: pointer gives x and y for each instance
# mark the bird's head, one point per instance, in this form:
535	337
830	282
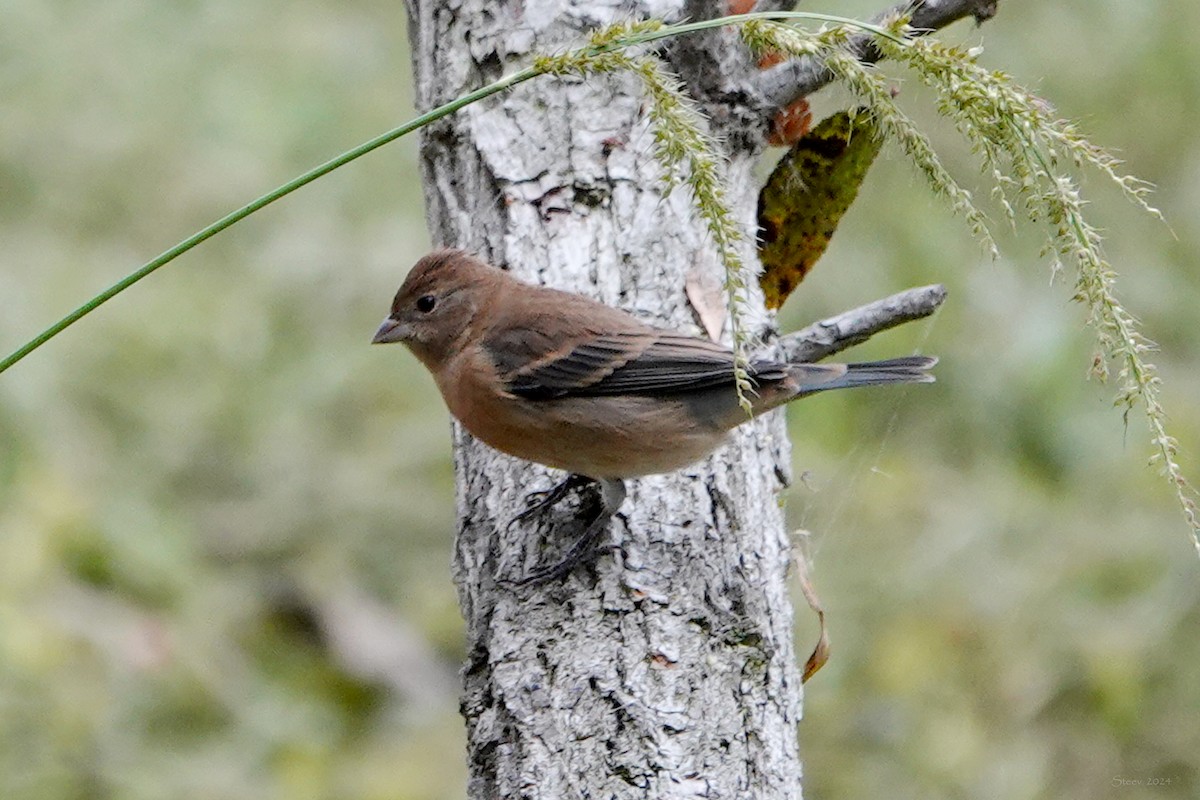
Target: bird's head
436	304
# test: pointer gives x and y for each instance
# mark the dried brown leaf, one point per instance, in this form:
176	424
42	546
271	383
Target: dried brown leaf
820	653
707	296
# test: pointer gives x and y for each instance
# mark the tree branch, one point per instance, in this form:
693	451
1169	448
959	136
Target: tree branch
823	339
786	83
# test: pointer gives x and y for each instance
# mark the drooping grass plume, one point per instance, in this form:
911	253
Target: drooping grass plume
1027	152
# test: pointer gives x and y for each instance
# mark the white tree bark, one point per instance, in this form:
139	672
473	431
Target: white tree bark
667	670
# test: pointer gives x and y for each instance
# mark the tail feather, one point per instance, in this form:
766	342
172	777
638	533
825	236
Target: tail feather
815	378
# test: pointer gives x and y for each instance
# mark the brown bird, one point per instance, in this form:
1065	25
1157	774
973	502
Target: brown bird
565	381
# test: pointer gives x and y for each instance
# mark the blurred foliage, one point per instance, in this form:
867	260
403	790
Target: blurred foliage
225	521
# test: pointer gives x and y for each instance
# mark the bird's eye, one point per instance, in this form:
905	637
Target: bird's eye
426	303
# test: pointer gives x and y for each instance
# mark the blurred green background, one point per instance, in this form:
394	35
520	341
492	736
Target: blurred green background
225	521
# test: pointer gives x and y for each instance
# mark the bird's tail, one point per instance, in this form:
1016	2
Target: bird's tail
813	378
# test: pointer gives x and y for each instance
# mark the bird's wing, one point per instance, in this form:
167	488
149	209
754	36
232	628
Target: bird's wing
645	362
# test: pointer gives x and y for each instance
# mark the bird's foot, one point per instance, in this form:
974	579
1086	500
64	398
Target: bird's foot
539	502
583	551
586	548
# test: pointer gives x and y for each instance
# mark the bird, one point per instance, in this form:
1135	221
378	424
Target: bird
565	381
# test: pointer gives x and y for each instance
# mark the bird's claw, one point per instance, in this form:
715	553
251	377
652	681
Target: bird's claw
538	502
583	551
586	548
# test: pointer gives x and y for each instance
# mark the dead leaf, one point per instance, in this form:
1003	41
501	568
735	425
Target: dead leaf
820	653
707	296
790	125
803	201
770	58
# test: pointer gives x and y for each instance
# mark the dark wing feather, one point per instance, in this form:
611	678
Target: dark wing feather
535	366
652	362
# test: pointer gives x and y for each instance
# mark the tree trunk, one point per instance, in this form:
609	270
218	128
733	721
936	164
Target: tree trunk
667	668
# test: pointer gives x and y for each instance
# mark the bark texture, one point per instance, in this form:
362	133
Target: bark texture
666	671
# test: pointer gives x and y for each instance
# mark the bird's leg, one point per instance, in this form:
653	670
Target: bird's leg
612	494
538	502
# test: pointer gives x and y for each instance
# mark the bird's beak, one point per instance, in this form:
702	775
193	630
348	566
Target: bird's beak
390	331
